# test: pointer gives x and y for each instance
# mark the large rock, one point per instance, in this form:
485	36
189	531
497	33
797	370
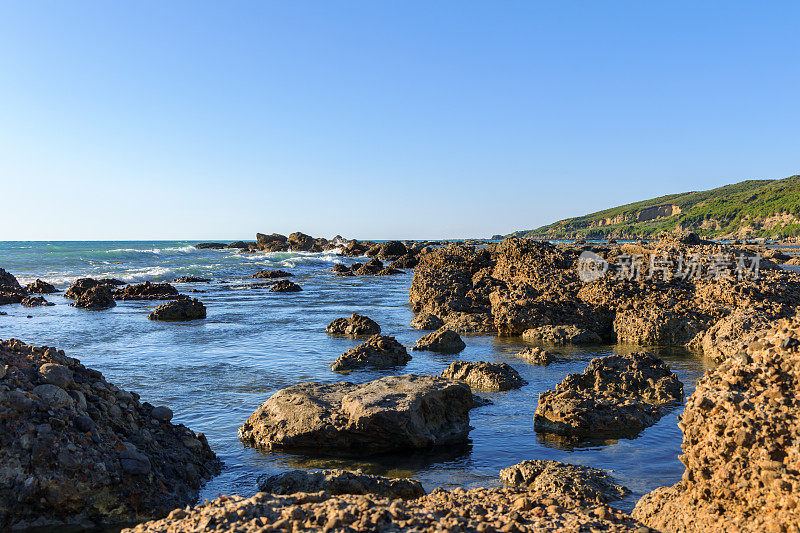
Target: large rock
442	340
427	321
40	287
211	246
731	334
354	325
285	285
389	414
11	292
485	376
272	274
8	281
35	301
178	310
340	482
617	395
77	450
95	297
301	242
559	335
555	477
380	351
741	444
656	326
146	291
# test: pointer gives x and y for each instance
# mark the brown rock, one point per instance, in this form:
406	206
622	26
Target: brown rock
442	340
380	351
354	325
179	310
485	376
340	482
555	477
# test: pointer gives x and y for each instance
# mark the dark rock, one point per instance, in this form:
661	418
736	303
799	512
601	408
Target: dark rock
370	268
354	325
146	291
161	413
442	340
40	287
405	261
177	310
285	285
95	297
191	279
35	301
559	335
272	274
11	292
340	482
380	351
211	246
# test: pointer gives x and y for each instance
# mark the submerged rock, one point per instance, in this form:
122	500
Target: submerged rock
340	482
285	285
389	414
77	450
354	325
272	274
146	291
427	321
617	395
177	310
559	335
536	356
35	301
555	477
95	297
380	351
40	287
485	376
442	340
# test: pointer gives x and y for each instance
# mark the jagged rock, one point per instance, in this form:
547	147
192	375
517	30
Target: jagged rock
655	326
80	286
8	281
11	292
70	458
559	335
427	321
340	482
470	322
35	301
285	285
300	242
354	325
146	291
555	477
272	274
210	246
177	310
405	261
485	376
388	414
380	351
340	268
370	268
730	335
442	340
536	356
741	444
617	395
95	297
40	287
191	279
389	271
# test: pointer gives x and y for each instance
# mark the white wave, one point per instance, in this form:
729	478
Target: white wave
157	251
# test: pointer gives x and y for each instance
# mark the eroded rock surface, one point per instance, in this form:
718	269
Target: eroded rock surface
146	291
272	274
11	292
285	285
442	340
340	482
485	376
560	335
35	301
179	310
536	356
427	321
95	297
40	287
354	325
379	351
555	477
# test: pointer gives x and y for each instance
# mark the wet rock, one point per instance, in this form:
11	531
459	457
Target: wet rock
388	414
560	335
617	395
40	287
427	321
80	286
339	268
340	482
380	351
211	246
161	413
67	448
370	268
555	477
406	261
8	281
11	292
389	271
191	279
536	356
485	376
285	285
354	325
35	301
470	323
178	310
442	340
146	291
96	297
272	274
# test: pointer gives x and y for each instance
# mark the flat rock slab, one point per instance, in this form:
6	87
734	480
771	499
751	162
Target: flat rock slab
485	376
340	482
388	414
555	477
380	351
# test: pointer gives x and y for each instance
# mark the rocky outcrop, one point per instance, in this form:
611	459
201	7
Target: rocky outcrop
211	246
272	274
340	482
285	285
442	340
560	335
191	279
40	287
35	301
380	351
96	297
146	291
370	268
536	356
80	286
555	477
354	325
741	444
427	321
389	414
616	396
179	310
730	335
11	292
485	376
476	510
77	450
405	261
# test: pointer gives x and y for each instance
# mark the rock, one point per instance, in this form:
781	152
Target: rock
392	249
389	271
340	482
161	413
211	246
560	335
470	322
442	340
111	282
11	292
339	268
617	395
389	414
272	274
656	326
191	279
96	297
555	477
40	287
285	285
536	356
146	291
176	310
485	376
427	321
300	242
731	334
80	286
380	351
370	268
406	261
354	325
8	281
72	453
35	301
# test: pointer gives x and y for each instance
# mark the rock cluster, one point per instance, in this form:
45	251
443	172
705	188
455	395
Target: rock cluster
285	285
555	477
82	285
146	291
442	340
485	376
379	351
340	482
354	325
741	444
178	310
389	414
75	449
617	395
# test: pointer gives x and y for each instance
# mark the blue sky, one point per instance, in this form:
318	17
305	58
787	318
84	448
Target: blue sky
138	120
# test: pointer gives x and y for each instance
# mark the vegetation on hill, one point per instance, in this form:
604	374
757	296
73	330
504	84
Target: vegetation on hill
753	208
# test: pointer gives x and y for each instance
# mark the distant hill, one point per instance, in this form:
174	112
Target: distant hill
754	208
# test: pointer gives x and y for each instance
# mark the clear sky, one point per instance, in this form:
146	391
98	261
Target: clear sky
381	119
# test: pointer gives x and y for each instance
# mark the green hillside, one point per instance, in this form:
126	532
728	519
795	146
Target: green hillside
753	208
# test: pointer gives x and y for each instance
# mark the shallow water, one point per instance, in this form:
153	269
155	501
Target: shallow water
214	373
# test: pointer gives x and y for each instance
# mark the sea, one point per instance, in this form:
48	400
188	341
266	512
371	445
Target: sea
214	373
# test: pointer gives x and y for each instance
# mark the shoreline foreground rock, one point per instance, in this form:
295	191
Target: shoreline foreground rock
379	351
75	450
555	477
340	482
